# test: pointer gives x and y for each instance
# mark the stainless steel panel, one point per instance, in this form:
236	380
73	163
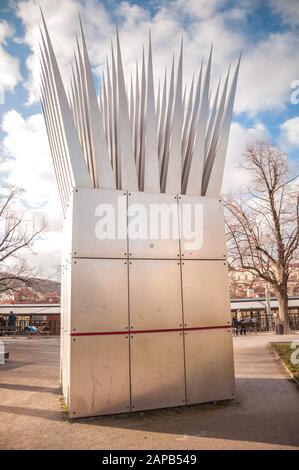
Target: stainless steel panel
93	208
205	287
207	223
99	295
209	365
157	370
66	251
154	213
65	329
155	294
99	375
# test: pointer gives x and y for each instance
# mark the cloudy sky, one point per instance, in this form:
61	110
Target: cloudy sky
267	31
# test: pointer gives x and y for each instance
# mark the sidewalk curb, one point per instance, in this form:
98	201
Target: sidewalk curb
291	375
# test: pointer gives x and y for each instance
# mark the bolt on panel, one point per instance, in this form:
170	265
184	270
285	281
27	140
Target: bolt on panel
155	294
99	223
153	227
157	370
67	234
65	337
205	288
99	299
209	365
205	238
99	375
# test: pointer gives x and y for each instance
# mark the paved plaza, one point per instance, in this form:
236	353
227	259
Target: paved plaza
264	415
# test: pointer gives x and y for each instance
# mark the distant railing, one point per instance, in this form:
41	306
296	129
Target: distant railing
18	331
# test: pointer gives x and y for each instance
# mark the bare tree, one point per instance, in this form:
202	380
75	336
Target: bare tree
263	224
17	236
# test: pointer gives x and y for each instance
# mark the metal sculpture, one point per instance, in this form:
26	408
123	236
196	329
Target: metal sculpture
145	319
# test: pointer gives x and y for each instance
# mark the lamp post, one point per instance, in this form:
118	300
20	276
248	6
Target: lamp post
268	306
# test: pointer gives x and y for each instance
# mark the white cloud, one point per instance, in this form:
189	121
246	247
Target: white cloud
267	71
61	22
268	65
26	157
46	256
289	135
240	136
10	74
288	10
26	162
203	9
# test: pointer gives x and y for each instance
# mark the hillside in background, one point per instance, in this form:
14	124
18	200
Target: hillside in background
44	291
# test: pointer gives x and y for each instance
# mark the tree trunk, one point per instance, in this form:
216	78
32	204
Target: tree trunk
282	298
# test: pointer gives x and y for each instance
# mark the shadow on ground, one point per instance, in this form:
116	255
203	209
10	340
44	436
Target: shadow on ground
241	419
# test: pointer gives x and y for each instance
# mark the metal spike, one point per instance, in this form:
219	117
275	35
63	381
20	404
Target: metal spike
187	119
162	120
158	105
79	173
55	119
215	180
101	161
151	163
110	119
132	108
115	119
141	122
136	121
165	156
192	131
174	168
128	168
216	134
194	178
212	120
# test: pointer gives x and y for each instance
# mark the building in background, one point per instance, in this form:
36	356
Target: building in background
244	284
43	292
48	316
247	309
45	317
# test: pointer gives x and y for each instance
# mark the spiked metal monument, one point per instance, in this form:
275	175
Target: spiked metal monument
145	319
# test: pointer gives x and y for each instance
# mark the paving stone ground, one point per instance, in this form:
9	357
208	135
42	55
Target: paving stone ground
264	415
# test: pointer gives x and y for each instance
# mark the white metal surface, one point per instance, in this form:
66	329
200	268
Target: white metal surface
174	167
154	303
90	210
90	137
198	156
67	237
99	295
214	181
210	230
209	365
157	370
205	289
128	169
77	167
99	375
151	243
151	175
212	142
152	148
65	331
101	160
